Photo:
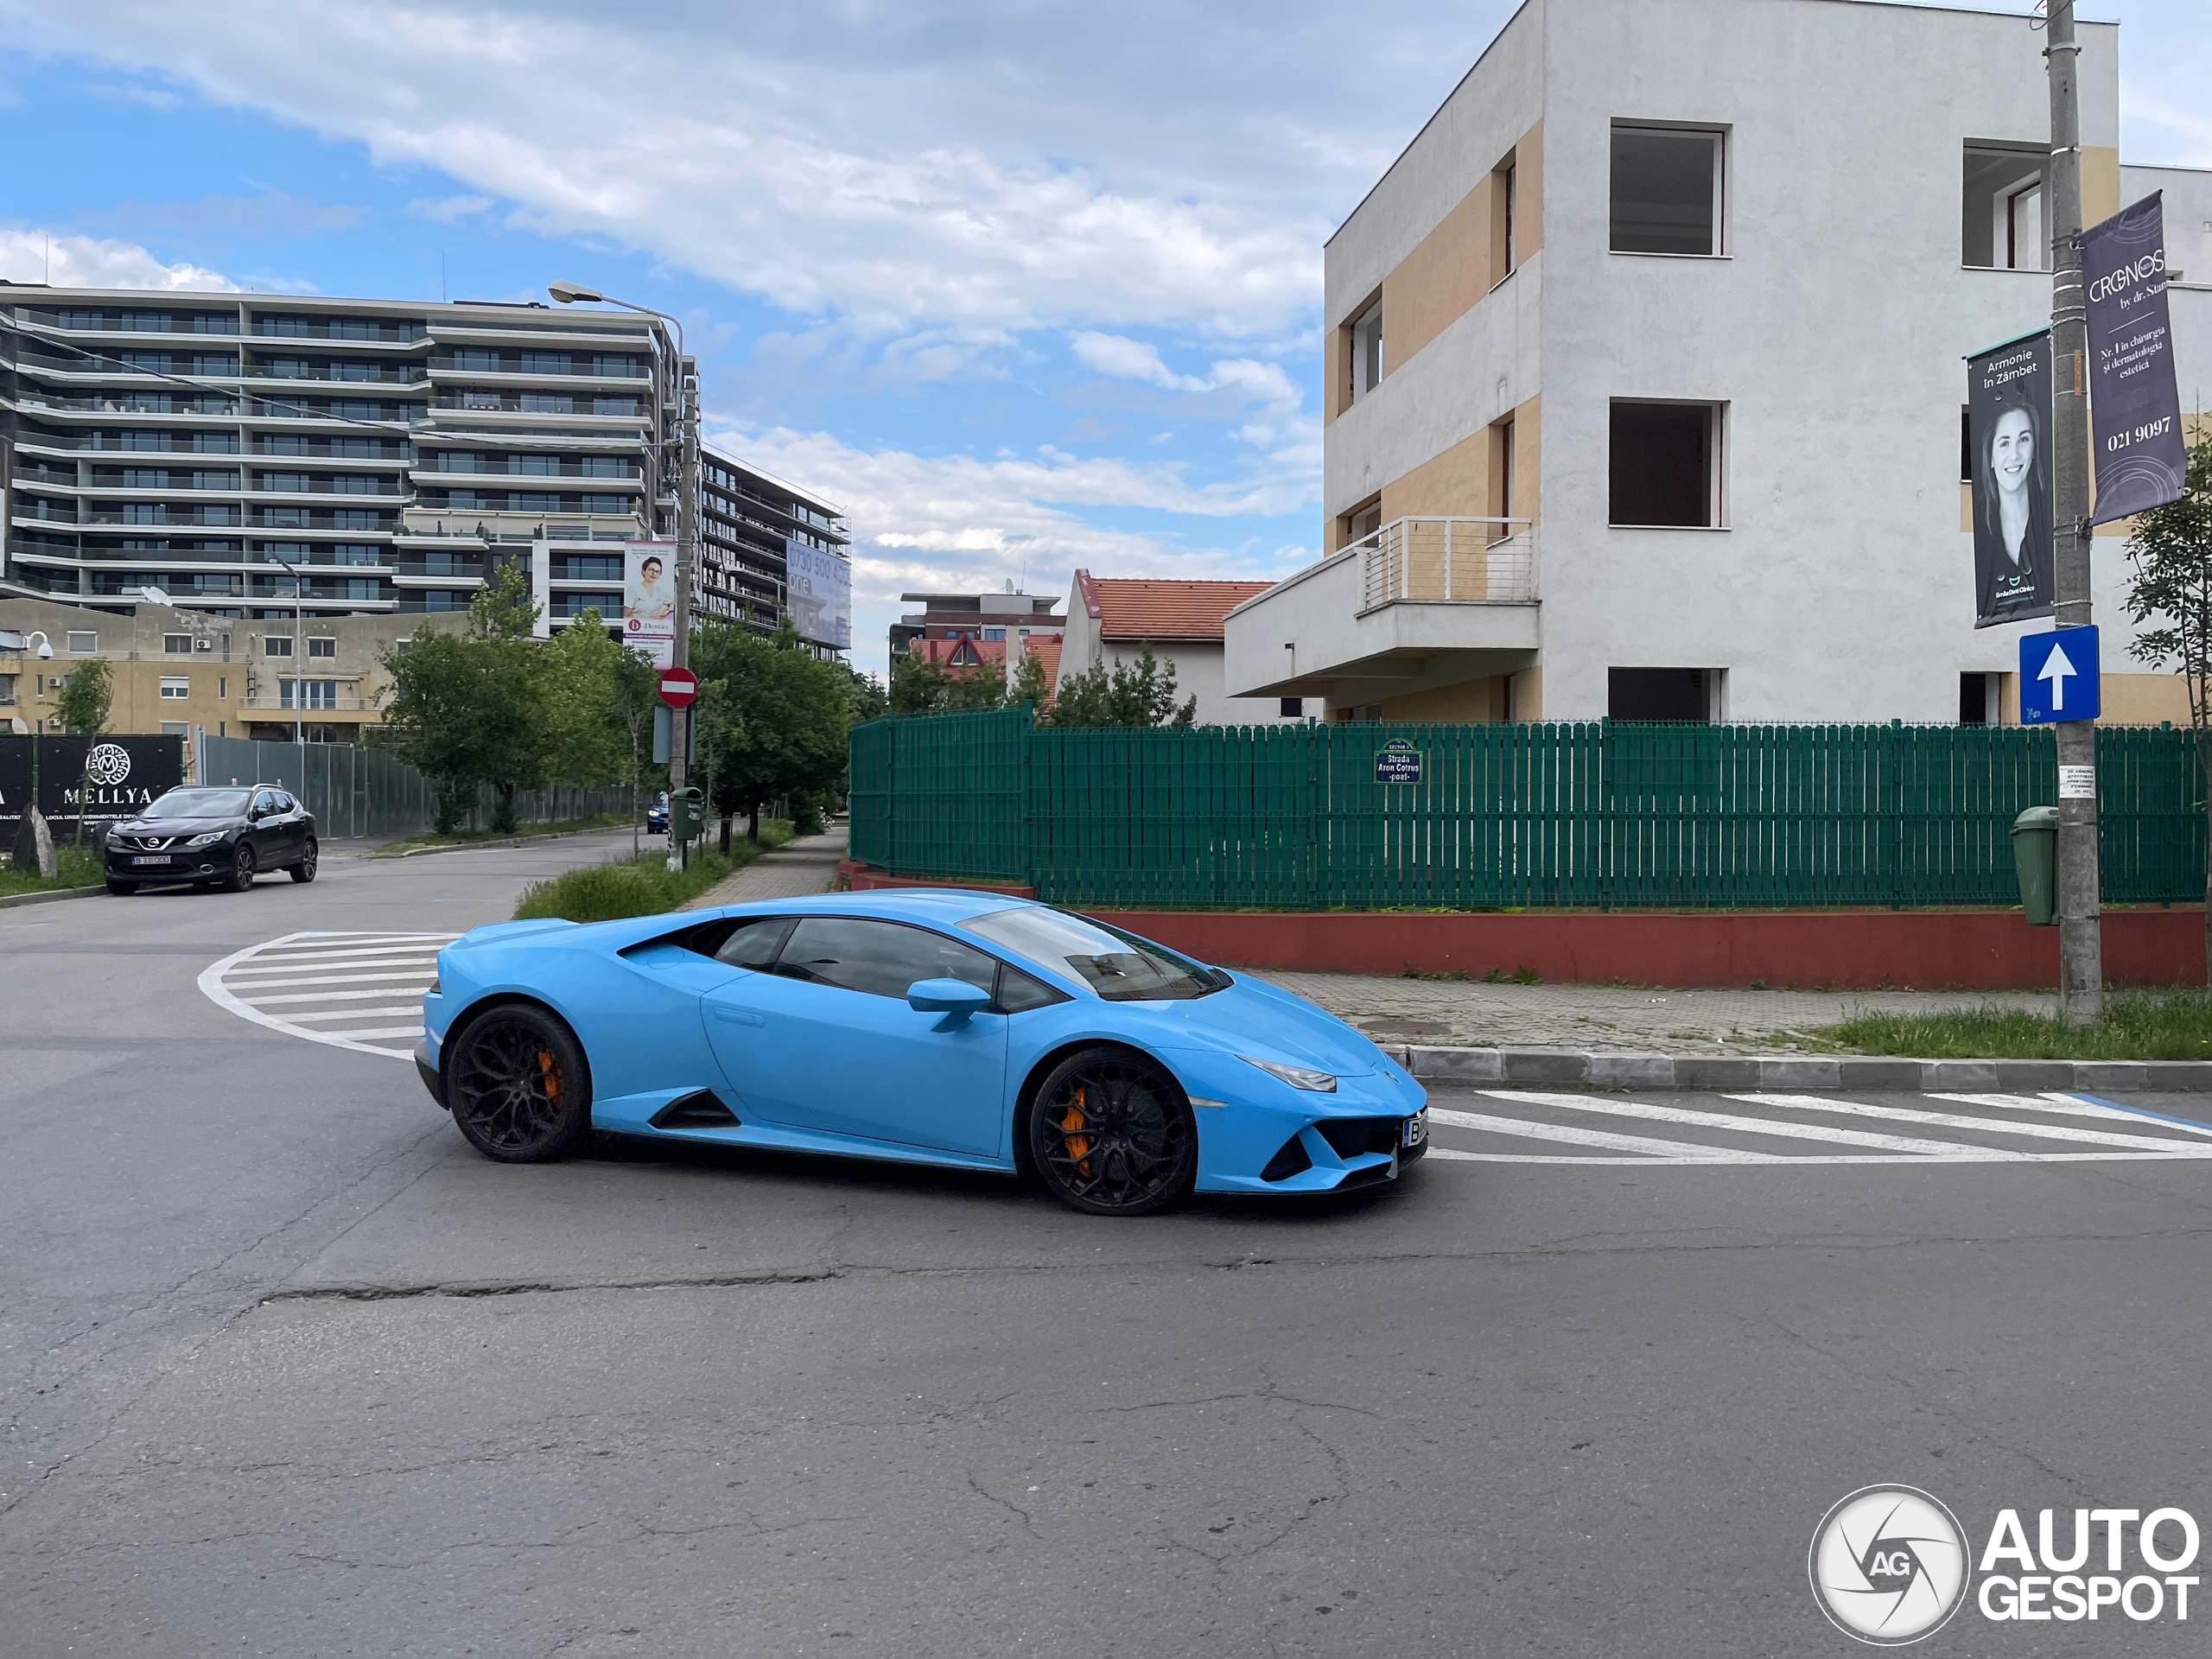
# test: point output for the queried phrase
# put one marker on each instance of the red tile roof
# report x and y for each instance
(1046, 649)
(1158, 609)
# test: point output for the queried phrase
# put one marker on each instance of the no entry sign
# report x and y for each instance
(678, 687)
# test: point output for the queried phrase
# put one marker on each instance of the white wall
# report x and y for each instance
(1198, 672)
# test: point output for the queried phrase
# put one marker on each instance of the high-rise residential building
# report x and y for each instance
(1644, 372)
(394, 453)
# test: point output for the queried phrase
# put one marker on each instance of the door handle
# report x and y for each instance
(738, 1016)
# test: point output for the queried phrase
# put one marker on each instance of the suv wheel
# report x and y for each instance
(304, 870)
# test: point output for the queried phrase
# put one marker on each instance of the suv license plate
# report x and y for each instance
(152, 858)
(1416, 1129)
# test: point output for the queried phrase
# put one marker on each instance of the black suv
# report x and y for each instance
(212, 837)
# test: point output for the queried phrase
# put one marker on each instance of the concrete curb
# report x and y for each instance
(48, 896)
(509, 841)
(1566, 1068)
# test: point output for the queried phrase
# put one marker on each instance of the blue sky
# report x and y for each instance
(1023, 287)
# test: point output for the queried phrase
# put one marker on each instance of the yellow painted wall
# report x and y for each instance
(1440, 280)
(2144, 700)
(1474, 701)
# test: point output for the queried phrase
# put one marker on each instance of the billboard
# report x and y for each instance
(2135, 406)
(99, 781)
(649, 598)
(818, 592)
(2008, 430)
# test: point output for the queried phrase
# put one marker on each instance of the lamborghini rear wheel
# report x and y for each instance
(518, 1085)
(1111, 1134)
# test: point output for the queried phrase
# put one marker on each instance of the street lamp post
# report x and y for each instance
(299, 675)
(44, 655)
(687, 525)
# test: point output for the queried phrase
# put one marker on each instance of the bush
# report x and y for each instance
(643, 885)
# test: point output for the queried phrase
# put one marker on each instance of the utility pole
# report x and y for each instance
(2081, 946)
(686, 561)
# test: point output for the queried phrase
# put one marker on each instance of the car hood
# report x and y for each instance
(175, 826)
(1252, 1017)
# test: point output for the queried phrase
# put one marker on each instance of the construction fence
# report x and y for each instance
(1602, 815)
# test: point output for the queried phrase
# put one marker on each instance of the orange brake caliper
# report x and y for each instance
(1073, 1122)
(551, 1072)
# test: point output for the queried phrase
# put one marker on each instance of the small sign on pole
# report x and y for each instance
(1398, 762)
(2058, 676)
(679, 687)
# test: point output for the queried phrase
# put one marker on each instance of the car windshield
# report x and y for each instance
(1119, 966)
(199, 804)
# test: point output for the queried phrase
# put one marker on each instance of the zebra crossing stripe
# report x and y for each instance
(1676, 1151)
(1985, 1126)
(253, 982)
(1694, 1119)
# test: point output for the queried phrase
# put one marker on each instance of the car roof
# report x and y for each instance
(941, 905)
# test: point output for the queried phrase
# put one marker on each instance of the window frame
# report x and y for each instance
(1721, 134)
(1716, 460)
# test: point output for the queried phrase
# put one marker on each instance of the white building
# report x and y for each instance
(1645, 372)
(1111, 619)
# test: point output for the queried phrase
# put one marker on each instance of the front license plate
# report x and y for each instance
(1416, 1129)
(152, 858)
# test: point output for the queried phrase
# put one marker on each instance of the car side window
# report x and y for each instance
(1018, 993)
(285, 803)
(264, 801)
(751, 943)
(882, 958)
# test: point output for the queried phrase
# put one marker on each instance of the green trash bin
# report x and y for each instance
(2035, 859)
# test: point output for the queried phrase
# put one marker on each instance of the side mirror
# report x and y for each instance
(954, 998)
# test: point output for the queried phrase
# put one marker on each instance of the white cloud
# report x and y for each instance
(956, 523)
(32, 256)
(448, 210)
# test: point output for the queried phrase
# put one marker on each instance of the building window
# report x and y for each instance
(1676, 696)
(1667, 190)
(276, 644)
(1367, 350)
(322, 646)
(223, 687)
(1664, 466)
(1293, 708)
(2001, 208)
(176, 645)
(1362, 522)
(1501, 480)
(175, 686)
(7, 687)
(314, 694)
(176, 728)
(1505, 201)
(83, 644)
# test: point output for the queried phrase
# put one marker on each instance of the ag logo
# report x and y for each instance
(1889, 1565)
(108, 765)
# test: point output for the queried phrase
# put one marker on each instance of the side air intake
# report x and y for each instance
(697, 1110)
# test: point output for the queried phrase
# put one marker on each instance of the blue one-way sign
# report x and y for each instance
(2058, 676)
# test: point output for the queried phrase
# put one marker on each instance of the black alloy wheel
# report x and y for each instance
(242, 870)
(1111, 1134)
(518, 1085)
(304, 870)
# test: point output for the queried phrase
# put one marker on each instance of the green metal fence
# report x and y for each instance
(1598, 815)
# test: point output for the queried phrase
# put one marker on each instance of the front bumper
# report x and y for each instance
(177, 864)
(1264, 1136)
(426, 1067)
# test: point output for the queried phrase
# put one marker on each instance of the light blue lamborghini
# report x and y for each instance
(945, 1027)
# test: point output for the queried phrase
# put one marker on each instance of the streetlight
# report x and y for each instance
(45, 654)
(299, 674)
(687, 525)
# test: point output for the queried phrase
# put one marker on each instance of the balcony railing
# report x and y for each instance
(1449, 561)
(346, 374)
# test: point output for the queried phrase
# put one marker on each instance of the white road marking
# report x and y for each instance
(252, 982)
(1595, 1138)
(1690, 1118)
(1959, 1121)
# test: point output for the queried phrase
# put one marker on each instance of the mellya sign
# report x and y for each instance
(2008, 425)
(119, 777)
(1398, 762)
(2135, 406)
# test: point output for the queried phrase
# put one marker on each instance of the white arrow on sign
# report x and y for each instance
(2055, 668)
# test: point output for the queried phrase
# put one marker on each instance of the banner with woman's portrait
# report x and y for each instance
(2008, 437)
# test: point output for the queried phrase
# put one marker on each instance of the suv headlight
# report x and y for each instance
(1298, 1077)
(208, 840)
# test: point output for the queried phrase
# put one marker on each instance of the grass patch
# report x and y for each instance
(643, 885)
(2137, 1026)
(74, 865)
(464, 837)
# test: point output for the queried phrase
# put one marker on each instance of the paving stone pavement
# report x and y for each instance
(1642, 1019)
(797, 869)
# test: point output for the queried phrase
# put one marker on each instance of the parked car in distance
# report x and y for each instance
(212, 837)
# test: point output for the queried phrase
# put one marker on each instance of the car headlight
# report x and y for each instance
(208, 840)
(1298, 1077)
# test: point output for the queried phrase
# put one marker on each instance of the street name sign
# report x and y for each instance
(1398, 762)
(2058, 676)
(678, 687)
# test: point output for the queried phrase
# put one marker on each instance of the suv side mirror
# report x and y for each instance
(956, 999)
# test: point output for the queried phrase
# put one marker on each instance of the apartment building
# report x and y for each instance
(978, 617)
(387, 457)
(174, 668)
(1645, 381)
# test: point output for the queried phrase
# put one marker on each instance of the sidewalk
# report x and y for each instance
(794, 870)
(1616, 1018)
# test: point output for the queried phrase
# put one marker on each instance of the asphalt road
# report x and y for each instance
(288, 1369)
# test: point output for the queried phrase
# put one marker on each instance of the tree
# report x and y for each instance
(919, 686)
(2171, 552)
(472, 709)
(82, 708)
(582, 706)
(781, 717)
(1142, 693)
